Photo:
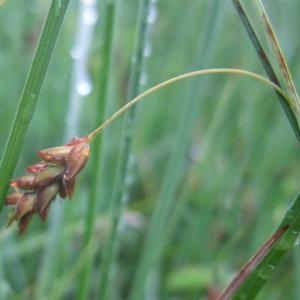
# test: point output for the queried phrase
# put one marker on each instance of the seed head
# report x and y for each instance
(55, 174)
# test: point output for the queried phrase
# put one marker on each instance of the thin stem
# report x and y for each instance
(102, 98)
(157, 235)
(51, 261)
(124, 151)
(31, 92)
(170, 81)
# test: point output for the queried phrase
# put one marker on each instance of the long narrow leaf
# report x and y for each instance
(102, 98)
(31, 91)
(125, 148)
(283, 66)
(287, 233)
(291, 109)
(156, 233)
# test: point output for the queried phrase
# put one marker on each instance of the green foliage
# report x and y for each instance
(213, 162)
(31, 92)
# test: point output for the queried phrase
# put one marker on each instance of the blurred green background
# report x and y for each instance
(220, 147)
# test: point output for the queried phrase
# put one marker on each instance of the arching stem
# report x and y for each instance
(163, 84)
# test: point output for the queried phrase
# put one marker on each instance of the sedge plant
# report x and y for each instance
(58, 170)
(59, 166)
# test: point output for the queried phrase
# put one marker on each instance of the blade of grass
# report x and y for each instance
(248, 268)
(125, 148)
(287, 233)
(31, 91)
(102, 97)
(283, 66)
(156, 232)
(51, 260)
(292, 109)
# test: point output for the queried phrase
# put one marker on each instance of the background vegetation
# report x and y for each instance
(212, 167)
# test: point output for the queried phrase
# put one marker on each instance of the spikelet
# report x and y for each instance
(55, 174)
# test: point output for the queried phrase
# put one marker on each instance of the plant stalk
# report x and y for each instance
(228, 71)
(102, 98)
(124, 151)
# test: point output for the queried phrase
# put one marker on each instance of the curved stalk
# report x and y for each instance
(172, 80)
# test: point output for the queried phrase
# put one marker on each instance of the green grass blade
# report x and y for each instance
(31, 91)
(102, 97)
(239, 162)
(52, 260)
(156, 232)
(292, 110)
(125, 147)
(265, 268)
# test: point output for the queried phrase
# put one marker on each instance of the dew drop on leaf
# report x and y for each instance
(266, 271)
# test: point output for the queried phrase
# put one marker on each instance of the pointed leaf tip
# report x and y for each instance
(55, 154)
(13, 199)
(76, 161)
(45, 195)
(36, 168)
(25, 182)
(23, 223)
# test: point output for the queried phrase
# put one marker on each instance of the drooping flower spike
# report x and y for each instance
(55, 174)
(57, 171)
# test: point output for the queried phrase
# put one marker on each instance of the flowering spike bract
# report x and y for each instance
(56, 174)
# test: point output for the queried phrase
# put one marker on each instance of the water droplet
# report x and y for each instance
(143, 78)
(90, 16)
(297, 242)
(290, 214)
(84, 88)
(288, 241)
(76, 53)
(152, 15)
(266, 271)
